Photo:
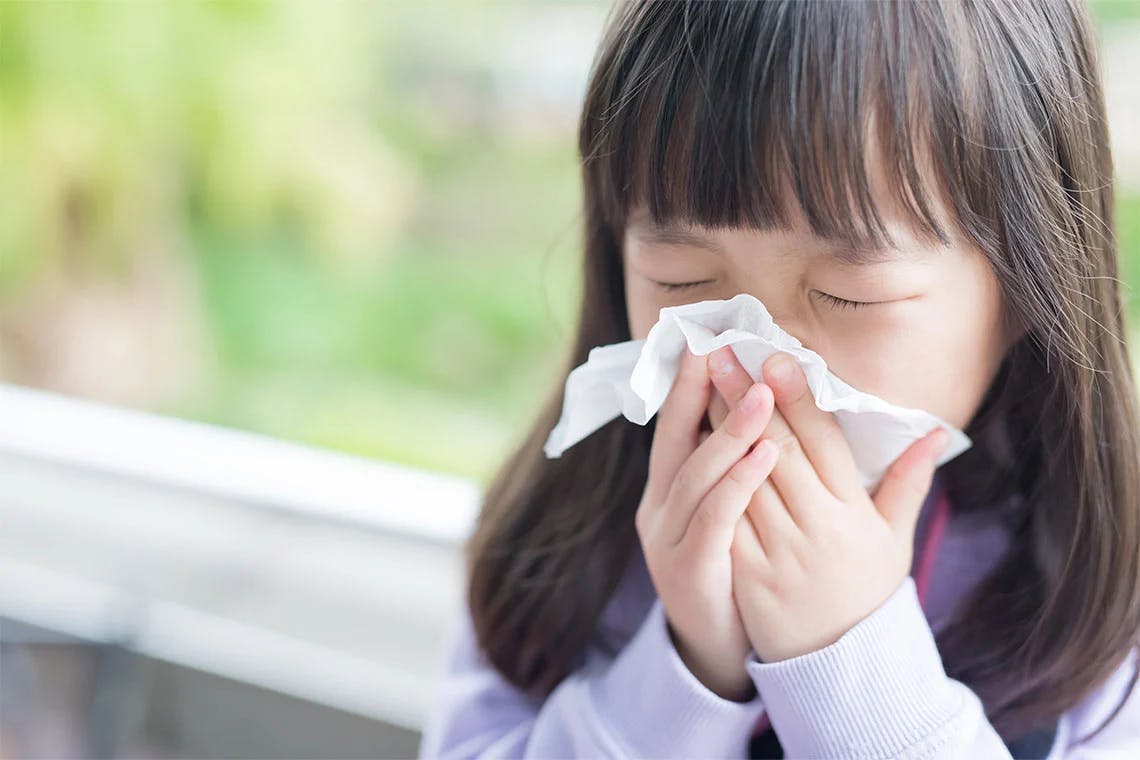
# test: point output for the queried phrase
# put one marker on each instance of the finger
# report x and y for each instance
(767, 510)
(713, 458)
(747, 546)
(902, 491)
(728, 376)
(718, 409)
(678, 422)
(769, 515)
(794, 477)
(730, 381)
(818, 432)
(713, 523)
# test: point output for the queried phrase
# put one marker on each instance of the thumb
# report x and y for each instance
(904, 486)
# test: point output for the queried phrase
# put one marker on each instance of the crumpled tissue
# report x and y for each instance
(633, 378)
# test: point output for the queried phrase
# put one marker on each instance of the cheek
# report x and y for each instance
(921, 369)
(643, 305)
(935, 362)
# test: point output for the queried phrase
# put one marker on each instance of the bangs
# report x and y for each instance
(740, 114)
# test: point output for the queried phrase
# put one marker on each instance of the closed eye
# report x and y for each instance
(834, 301)
(680, 285)
(842, 303)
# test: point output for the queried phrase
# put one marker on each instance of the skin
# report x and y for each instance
(778, 548)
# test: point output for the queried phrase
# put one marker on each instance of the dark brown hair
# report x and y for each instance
(724, 114)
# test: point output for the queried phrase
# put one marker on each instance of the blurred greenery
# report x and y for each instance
(381, 252)
(1106, 12)
(343, 223)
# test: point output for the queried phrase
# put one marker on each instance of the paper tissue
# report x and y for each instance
(634, 377)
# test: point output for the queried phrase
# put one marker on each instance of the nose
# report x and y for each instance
(787, 320)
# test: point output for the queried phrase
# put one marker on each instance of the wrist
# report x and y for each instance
(728, 680)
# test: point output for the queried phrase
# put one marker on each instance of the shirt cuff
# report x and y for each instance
(661, 709)
(876, 690)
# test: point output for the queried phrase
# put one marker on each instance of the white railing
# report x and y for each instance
(317, 574)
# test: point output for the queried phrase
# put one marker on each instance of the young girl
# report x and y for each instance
(921, 193)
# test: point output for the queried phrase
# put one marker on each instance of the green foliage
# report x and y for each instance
(386, 252)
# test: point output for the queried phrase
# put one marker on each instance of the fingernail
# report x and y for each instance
(721, 361)
(780, 368)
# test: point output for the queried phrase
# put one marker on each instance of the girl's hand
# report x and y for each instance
(695, 494)
(816, 554)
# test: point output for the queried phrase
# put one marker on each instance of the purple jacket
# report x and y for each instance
(879, 691)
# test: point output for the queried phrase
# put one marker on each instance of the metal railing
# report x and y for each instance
(327, 577)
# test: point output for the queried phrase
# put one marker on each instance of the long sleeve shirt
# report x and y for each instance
(878, 691)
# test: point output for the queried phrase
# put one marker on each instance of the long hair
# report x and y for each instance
(726, 114)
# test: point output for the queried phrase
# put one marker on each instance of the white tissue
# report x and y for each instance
(634, 377)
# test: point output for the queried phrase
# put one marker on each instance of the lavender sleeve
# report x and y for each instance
(643, 702)
(880, 691)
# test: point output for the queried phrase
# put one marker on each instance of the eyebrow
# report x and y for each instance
(864, 253)
(670, 233)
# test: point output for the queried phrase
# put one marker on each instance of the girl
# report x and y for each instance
(921, 193)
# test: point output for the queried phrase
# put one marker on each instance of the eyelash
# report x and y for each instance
(842, 303)
(835, 301)
(681, 285)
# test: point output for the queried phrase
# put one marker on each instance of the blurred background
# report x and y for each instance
(280, 285)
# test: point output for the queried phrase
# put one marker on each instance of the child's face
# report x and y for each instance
(932, 339)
